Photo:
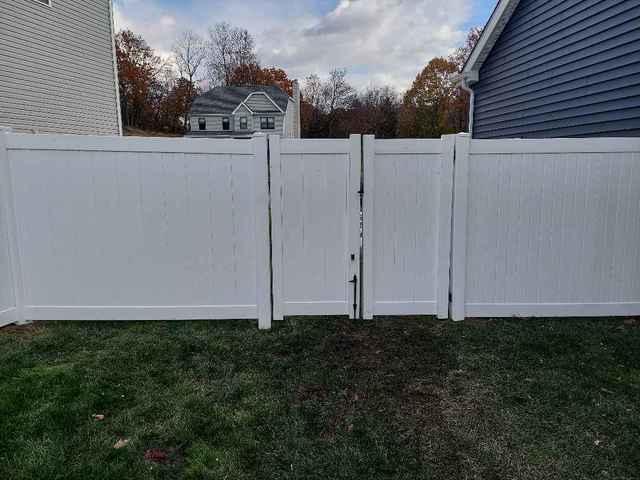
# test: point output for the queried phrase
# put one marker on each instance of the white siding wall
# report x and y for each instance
(57, 67)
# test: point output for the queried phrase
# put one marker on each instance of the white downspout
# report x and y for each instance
(465, 86)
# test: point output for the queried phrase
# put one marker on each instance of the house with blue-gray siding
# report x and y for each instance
(557, 68)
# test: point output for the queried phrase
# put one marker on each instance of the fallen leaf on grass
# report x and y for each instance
(156, 455)
(123, 442)
(98, 416)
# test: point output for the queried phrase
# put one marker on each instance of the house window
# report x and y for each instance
(202, 123)
(267, 123)
(226, 125)
(243, 123)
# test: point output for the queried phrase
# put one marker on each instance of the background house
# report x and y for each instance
(57, 67)
(243, 111)
(557, 68)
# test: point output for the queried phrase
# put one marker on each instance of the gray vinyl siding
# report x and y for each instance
(260, 103)
(243, 112)
(57, 67)
(563, 68)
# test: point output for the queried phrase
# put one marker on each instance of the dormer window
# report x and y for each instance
(226, 124)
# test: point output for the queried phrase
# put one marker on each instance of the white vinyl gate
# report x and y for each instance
(315, 206)
(407, 225)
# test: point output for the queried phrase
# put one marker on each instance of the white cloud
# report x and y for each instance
(378, 41)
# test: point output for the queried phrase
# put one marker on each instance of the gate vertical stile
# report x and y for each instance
(368, 145)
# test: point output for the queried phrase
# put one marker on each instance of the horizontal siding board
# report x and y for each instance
(56, 67)
(564, 92)
(533, 13)
(51, 57)
(562, 31)
(562, 68)
(40, 95)
(574, 67)
(551, 121)
(603, 102)
(584, 45)
(563, 82)
(92, 29)
(610, 128)
(49, 75)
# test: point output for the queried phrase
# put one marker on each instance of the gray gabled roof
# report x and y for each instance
(224, 100)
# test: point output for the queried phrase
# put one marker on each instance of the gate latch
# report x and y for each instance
(354, 281)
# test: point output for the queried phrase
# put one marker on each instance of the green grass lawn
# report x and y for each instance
(322, 399)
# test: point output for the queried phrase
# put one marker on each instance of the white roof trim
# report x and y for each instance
(242, 104)
(266, 95)
(492, 30)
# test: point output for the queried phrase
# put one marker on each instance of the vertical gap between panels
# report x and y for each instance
(269, 202)
(362, 247)
(452, 207)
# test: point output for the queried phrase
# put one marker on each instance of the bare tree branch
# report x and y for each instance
(227, 49)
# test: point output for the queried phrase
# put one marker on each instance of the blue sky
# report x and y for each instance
(377, 41)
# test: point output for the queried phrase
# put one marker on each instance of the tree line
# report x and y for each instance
(156, 94)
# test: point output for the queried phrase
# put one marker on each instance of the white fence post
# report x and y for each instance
(460, 210)
(367, 210)
(261, 184)
(276, 225)
(6, 189)
(445, 226)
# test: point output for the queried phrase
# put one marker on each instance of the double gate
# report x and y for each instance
(361, 227)
(103, 228)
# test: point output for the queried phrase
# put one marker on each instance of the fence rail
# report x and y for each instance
(100, 228)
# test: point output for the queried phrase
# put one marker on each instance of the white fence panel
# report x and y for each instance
(141, 229)
(546, 228)
(8, 300)
(407, 226)
(316, 221)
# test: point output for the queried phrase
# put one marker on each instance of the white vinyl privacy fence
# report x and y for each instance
(143, 229)
(135, 229)
(546, 228)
